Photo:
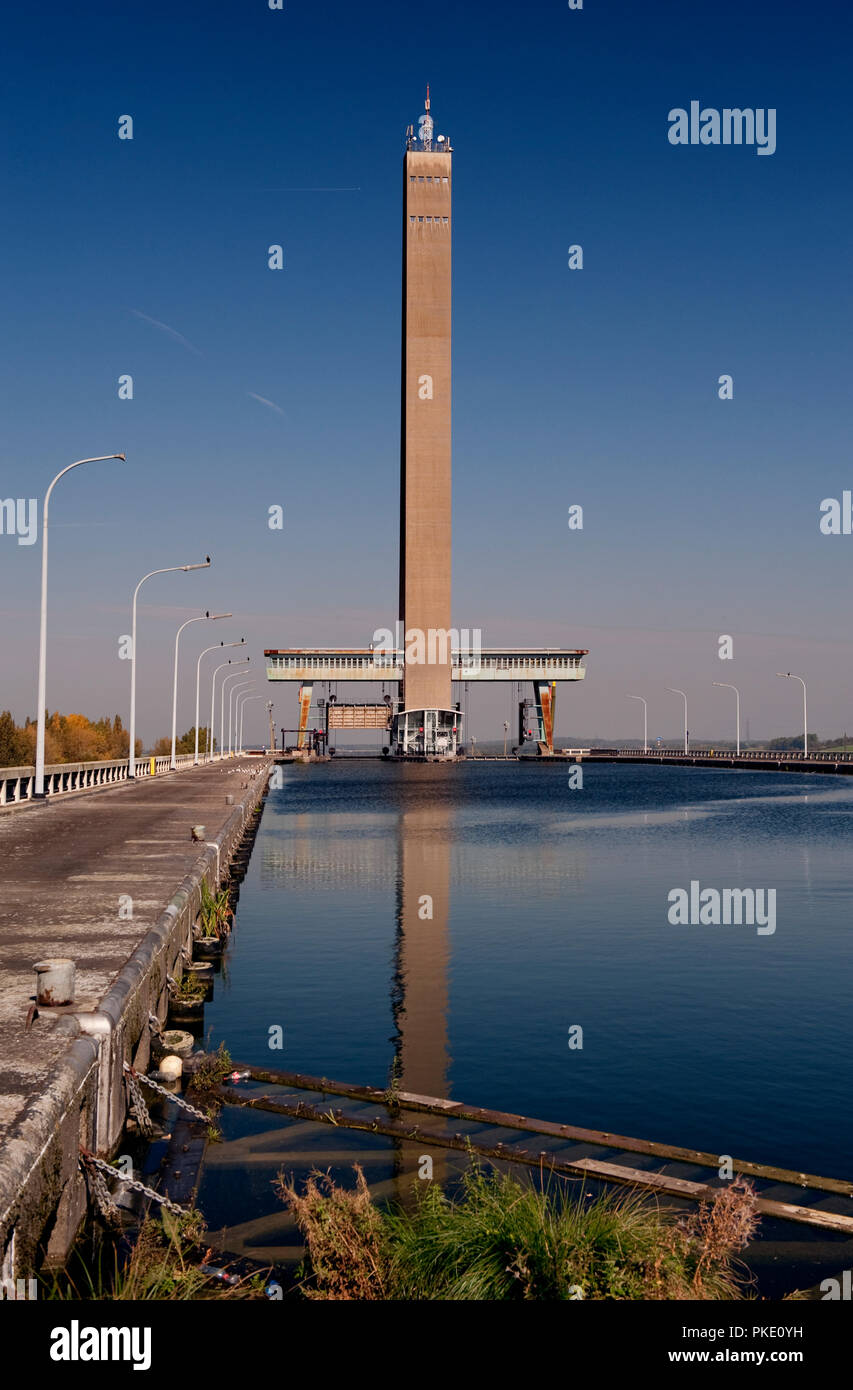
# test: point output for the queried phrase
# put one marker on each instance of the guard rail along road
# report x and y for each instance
(758, 759)
(16, 783)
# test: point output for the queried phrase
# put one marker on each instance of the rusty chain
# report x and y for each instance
(133, 1081)
(137, 1102)
(98, 1188)
(96, 1166)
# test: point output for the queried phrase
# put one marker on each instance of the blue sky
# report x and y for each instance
(597, 387)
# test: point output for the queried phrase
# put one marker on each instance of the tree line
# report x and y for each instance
(72, 738)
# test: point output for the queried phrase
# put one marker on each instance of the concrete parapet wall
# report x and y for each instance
(17, 783)
(43, 1195)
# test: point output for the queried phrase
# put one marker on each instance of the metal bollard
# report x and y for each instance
(55, 980)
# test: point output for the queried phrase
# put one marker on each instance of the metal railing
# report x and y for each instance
(784, 755)
(465, 665)
(16, 783)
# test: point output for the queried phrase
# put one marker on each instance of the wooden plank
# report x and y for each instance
(408, 1100)
(584, 1167)
(219, 1157)
(180, 1171)
(701, 1192)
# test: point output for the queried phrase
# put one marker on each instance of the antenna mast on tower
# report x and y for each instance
(426, 125)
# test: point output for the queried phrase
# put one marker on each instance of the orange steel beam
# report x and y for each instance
(305, 693)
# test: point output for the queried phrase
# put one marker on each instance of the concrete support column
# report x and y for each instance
(305, 693)
(546, 702)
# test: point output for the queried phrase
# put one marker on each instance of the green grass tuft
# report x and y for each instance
(502, 1239)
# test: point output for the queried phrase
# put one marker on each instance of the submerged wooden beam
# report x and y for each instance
(432, 1105)
(582, 1167)
(180, 1168)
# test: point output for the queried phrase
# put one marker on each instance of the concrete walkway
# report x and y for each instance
(70, 870)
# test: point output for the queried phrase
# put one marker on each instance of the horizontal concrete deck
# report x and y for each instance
(65, 869)
(70, 871)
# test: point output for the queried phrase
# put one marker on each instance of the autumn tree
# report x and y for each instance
(68, 738)
(11, 745)
(184, 744)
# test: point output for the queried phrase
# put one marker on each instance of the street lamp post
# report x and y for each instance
(131, 770)
(645, 720)
(231, 728)
(247, 700)
(684, 698)
(724, 685)
(225, 680)
(239, 701)
(788, 677)
(213, 696)
(205, 617)
(41, 712)
(215, 648)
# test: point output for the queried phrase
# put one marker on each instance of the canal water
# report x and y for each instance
(464, 924)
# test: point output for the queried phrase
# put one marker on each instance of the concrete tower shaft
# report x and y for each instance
(426, 655)
(425, 462)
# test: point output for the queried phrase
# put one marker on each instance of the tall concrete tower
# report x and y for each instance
(422, 724)
(426, 723)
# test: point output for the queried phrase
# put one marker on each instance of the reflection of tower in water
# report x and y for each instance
(420, 987)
